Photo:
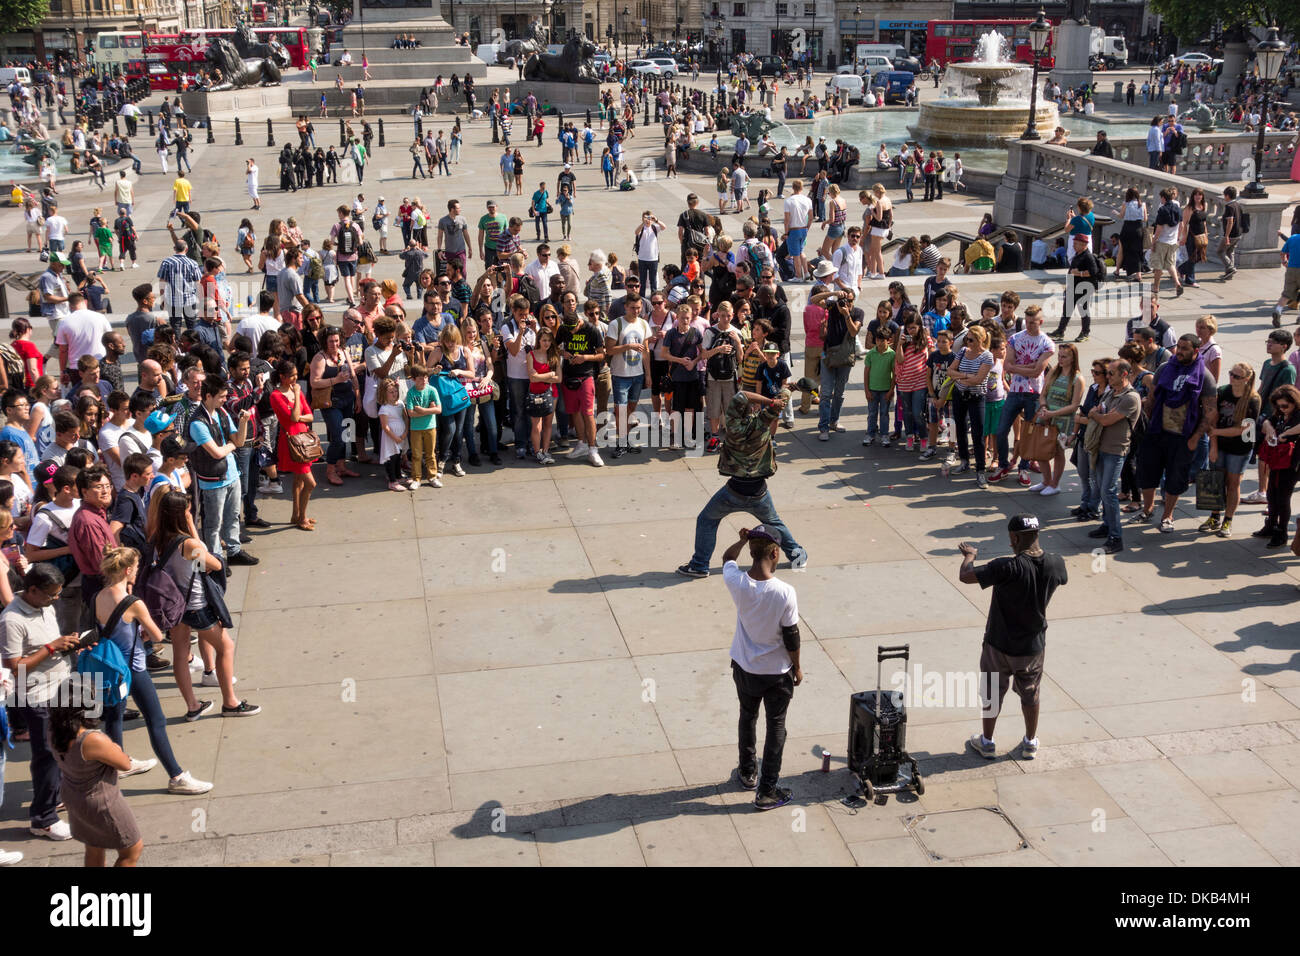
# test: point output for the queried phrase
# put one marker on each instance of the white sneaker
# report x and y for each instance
(1037, 487)
(185, 784)
(823, 436)
(135, 265)
(210, 680)
(58, 830)
(578, 451)
(137, 766)
(1255, 498)
(10, 857)
(799, 560)
(595, 459)
(1048, 491)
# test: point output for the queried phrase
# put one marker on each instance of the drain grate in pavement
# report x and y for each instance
(963, 834)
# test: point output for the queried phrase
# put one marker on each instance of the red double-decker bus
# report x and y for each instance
(957, 41)
(170, 56)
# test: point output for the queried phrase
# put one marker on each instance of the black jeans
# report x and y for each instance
(45, 771)
(1077, 295)
(1281, 485)
(775, 692)
(969, 407)
(145, 697)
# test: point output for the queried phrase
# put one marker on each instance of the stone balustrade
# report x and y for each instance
(1214, 157)
(1041, 181)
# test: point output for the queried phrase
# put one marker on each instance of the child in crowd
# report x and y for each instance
(392, 421)
(997, 394)
(329, 259)
(878, 367)
(773, 375)
(940, 394)
(423, 408)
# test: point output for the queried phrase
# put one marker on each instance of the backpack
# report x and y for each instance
(722, 367)
(159, 590)
(1179, 141)
(347, 240)
(13, 364)
(1243, 224)
(315, 268)
(111, 669)
(758, 260)
(1098, 270)
(66, 563)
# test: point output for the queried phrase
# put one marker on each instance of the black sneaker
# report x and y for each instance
(245, 709)
(241, 557)
(155, 663)
(130, 714)
(1114, 545)
(687, 571)
(748, 781)
(475, 461)
(257, 523)
(494, 458)
(1264, 532)
(1099, 532)
(245, 538)
(199, 711)
(771, 799)
(617, 452)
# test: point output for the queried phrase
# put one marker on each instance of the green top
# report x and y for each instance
(492, 226)
(880, 370)
(1058, 396)
(747, 439)
(426, 397)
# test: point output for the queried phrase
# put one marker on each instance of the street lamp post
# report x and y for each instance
(1039, 31)
(626, 14)
(1269, 53)
(857, 12)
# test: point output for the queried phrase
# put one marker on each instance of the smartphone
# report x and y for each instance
(88, 638)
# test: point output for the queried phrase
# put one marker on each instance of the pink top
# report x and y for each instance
(813, 317)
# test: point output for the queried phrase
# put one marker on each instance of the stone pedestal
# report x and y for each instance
(1070, 47)
(1234, 61)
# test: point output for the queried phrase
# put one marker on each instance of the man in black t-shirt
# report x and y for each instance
(693, 228)
(1015, 638)
(1080, 289)
(582, 346)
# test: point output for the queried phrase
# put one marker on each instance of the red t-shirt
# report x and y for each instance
(28, 350)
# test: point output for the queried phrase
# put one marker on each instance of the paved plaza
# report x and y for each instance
(506, 670)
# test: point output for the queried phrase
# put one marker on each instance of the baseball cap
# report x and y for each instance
(1023, 523)
(172, 448)
(60, 258)
(159, 421)
(492, 204)
(568, 165)
(771, 350)
(763, 534)
(45, 471)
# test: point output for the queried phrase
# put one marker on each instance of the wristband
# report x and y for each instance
(48, 651)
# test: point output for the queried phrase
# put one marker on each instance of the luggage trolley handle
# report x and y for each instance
(885, 654)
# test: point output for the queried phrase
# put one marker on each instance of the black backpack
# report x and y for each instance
(1098, 271)
(347, 240)
(1242, 217)
(722, 367)
(1180, 140)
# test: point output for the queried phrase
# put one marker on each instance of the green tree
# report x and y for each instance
(22, 14)
(1190, 20)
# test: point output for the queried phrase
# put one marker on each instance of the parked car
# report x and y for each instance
(909, 63)
(850, 84)
(667, 65)
(644, 66)
(1196, 59)
(892, 85)
(766, 66)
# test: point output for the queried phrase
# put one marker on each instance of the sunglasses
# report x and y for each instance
(1236, 375)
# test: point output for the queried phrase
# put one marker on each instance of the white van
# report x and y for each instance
(850, 84)
(868, 65)
(889, 51)
(10, 73)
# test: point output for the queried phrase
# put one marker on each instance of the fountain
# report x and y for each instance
(983, 103)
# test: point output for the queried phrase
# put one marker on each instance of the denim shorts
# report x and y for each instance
(795, 240)
(627, 389)
(1232, 464)
(347, 268)
(200, 619)
(834, 232)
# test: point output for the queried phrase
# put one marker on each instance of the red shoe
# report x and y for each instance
(1025, 479)
(999, 474)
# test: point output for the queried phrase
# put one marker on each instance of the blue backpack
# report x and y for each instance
(105, 661)
(451, 393)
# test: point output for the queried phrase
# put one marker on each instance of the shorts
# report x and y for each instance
(627, 388)
(1164, 454)
(723, 198)
(1026, 672)
(200, 619)
(1291, 284)
(457, 257)
(687, 397)
(835, 231)
(347, 268)
(718, 394)
(992, 414)
(659, 382)
(738, 192)
(879, 231)
(795, 239)
(1162, 256)
(1232, 464)
(580, 400)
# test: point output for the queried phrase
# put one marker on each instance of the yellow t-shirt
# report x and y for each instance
(182, 189)
(16, 197)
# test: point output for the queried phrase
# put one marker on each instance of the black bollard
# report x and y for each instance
(270, 134)
(381, 131)
(116, 131)
(496, 134)
(341, 134)
(239, 136)
(211, 138)
(149, 113)
(647, 112)
(588, 116)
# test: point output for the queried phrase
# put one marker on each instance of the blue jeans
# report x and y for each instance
(1088, 499)
(914, 420)
(145, 697)
(1105, 488)
(1016, 403)
(311, 289)
(487, 412)
(834, 381)
(542, 226)
(878, 413)
(334, 416)
(908, 179)
(246, 458)
(221, 519)
(727, 502)
(519, 422)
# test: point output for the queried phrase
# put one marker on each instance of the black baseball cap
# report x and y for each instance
(1023, 523)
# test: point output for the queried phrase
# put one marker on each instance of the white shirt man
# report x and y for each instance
(56, 230)
(82, 332)
(540, 271)
(255, 326)
(848, 264)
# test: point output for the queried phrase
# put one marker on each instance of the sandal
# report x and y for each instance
(303, 526)
(334, 479)
(1129, 509)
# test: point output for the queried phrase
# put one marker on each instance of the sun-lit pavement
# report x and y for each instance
(507, 671)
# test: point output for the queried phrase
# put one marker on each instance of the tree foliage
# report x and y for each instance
(22, 14)
(1191, 20)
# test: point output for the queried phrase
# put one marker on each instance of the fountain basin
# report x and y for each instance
(982, 104)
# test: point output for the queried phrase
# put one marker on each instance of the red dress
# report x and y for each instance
(280, 405)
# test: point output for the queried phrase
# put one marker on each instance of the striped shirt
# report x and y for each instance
(911, 371)
(970, 366)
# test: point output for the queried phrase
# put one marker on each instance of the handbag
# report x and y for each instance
(1147, 240)
(1211, 494)
(305, 447)
(482, 392)
(540, 404)
(322, 397)
(1199, 246)
(1038, 442)
(1276, 456)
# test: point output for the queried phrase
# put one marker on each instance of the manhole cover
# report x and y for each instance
(961, 834)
